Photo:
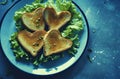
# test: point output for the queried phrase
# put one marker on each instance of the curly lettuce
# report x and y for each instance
(71, 30)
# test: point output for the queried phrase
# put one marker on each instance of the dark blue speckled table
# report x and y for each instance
(103, 47)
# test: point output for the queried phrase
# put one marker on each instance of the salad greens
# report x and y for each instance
(71, 30)
(63, 5)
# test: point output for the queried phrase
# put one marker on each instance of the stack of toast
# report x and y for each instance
(51, 41)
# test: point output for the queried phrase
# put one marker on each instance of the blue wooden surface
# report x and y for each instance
(104, 22)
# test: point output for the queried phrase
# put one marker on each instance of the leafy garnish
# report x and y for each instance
(71, 31)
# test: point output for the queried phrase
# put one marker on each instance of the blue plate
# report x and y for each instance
(52, 67)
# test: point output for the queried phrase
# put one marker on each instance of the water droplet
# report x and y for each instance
(98, 63)
(99, 52)
(113, 57)
(93, 58)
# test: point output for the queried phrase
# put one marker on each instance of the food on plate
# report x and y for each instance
(54, 24)
(55, 43)
(56, 20)
(31, 42)
(34, 20)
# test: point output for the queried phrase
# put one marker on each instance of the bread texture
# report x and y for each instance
(55, 20)
(31, 42)
(55, 43)
(34, 20)
(51, 41)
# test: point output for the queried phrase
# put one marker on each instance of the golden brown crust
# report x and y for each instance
(52, 41)
(55, 43)
(34, 20)
(32, 42)
(56, 20)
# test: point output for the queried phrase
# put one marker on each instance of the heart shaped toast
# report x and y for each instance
(56, 20)
(31, 42)
(34, 20)
(55, 43)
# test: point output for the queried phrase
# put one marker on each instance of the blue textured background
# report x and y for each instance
(104, 22)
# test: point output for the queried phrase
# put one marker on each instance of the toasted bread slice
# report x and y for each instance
(31, 42)
(55, 43)
(34, 20)
(56, 20)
